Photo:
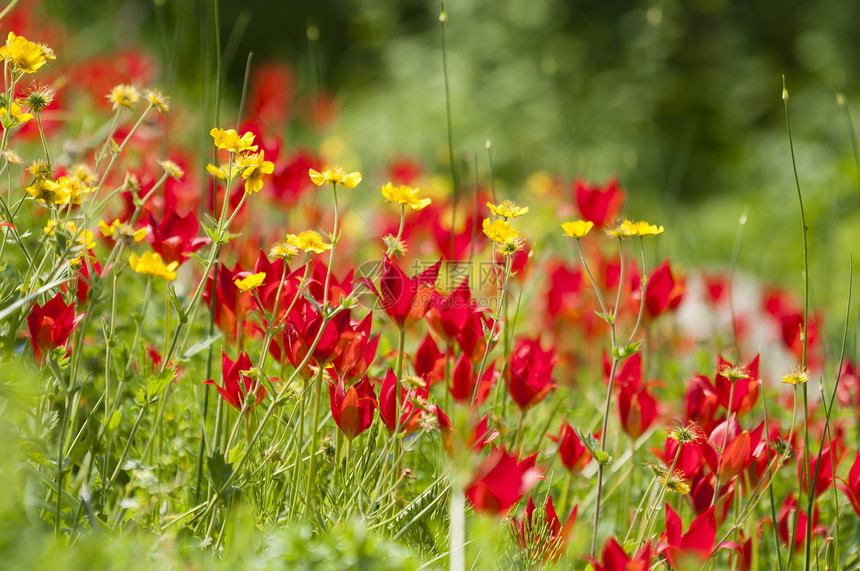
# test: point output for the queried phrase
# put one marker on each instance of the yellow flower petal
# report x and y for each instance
(250, 282)
(578, 228)
(499, 231)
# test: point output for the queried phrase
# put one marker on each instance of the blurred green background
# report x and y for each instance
(681, 99)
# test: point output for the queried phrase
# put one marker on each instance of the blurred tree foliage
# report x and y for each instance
(664, 93)
(678, 98)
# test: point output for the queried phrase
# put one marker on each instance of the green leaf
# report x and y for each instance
(626, 351)
(113, 422)
(156, 383)
(219, 470)
(236, 454)
(590, 442)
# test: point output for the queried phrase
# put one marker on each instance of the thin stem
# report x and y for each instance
(443, 19)
(312, 470)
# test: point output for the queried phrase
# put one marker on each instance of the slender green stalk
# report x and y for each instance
(8, 8)
(725, 441)
(804, 230)
(315, 443)
(443, 19)
(770, 482)
(649, 519)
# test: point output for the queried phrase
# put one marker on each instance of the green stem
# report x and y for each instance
(312, 469)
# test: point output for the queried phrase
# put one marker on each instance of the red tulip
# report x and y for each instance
(389, 404)
(701, 402)
(565, 295)
(405, 300)
(574, 455)
(273, 86)
(716, 286)
(337, 287)
(529, 373)
(231, 305)
(662, 291)
(637, 408)
(290, 179)
(827, 465)
(51, 325)
(238, 385)
(545, 539)
(501, 481)
(357, 349)
(787, 516)
(746, 385)
(82, 287)
(463, 382)
(462, 237)
(479, 437)
(352, 408)
(614, 558)
(702, 496)
(688, 457)
(471, 339)
(596, 204)
(448, 315)
(851, 487)
(429, 361)
(175, 237)
(741, 448)
(693, 548)
(268, 289)
(303, 328)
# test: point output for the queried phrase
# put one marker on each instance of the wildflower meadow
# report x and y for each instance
(251, 320)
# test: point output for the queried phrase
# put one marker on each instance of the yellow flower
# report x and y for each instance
(256, 167)
(230, 140)
(219, 172)
(675, 482)
(499, 231)
(87, 239)
(404, 195)
(308, 241)
(172, 169)
(150, 263)
(157, 100)
(511, 246)
(626, 229)
(74, 188)
(84, 174)
(643, 228)
(335, 175)
(507, 209)
(122, 230)
(15, 115)
(23, 54)
(250, 282)
(796, 376)
(40, 169)
(39, 97)
(13, 157)
(49, 192)
(123, 96)
(578, 228)
(284, 250)
(52, 224)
